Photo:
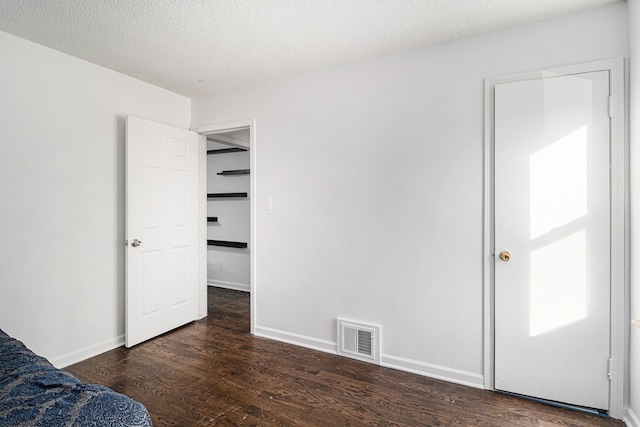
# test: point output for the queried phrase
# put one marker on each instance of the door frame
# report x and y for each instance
(619, 326)
(213, 129)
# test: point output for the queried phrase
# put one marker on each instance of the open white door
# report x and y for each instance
(162, 255)
(552, 238)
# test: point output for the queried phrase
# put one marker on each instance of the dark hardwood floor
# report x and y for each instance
(213, 372)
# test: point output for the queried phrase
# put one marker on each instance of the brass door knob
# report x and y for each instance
(505, 256)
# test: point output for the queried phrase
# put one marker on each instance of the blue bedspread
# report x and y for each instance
(35, 393)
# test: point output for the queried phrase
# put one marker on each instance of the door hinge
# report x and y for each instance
(611, 106)
(610, 368)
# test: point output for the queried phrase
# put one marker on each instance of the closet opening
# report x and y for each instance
(228, 213)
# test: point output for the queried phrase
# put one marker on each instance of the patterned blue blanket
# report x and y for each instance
(35, 393)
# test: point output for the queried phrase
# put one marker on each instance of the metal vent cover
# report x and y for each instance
(359, 340)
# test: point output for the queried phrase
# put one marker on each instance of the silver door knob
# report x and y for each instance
(135, 243)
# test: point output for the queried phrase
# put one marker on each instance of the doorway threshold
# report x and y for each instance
(594, 411)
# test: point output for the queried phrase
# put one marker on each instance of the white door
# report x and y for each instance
(162, 262)
(552, 214)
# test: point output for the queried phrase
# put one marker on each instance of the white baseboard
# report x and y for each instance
(296, 339)
(413, 366)
(630, 418)
(229, 285)
(434, 371)
(87, 352)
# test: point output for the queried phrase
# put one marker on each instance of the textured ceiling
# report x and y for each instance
(196, 47)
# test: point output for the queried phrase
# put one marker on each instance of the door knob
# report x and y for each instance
(505, 256)
(135, 243)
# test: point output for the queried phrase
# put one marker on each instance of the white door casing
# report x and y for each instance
(162, 212)
(225, 127)
(618, 231)
(552, 297)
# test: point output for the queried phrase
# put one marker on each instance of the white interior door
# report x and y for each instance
(162, 262)
(552, 214)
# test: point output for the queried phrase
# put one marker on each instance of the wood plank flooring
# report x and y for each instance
(214, 373)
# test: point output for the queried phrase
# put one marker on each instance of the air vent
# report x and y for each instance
(359, 341)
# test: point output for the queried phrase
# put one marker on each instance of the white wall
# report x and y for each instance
(62, 187)
(228, 267)
(375, 169)
(633, 415)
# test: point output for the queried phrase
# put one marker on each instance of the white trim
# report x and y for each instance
(438, 372)
(88, 352)
(244, 287)
(619, 207)
(488, 236)
(297, 339)
(229, 127)
(619, 243)
(630, 418)
(202, 273)
(254, 221)
(225, 127)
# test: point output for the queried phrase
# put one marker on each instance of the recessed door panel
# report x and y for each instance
(180, 275)
(150, 196)
(179, 198)
(151, 282)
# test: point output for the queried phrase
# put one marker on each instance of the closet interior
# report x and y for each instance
(228, 210)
